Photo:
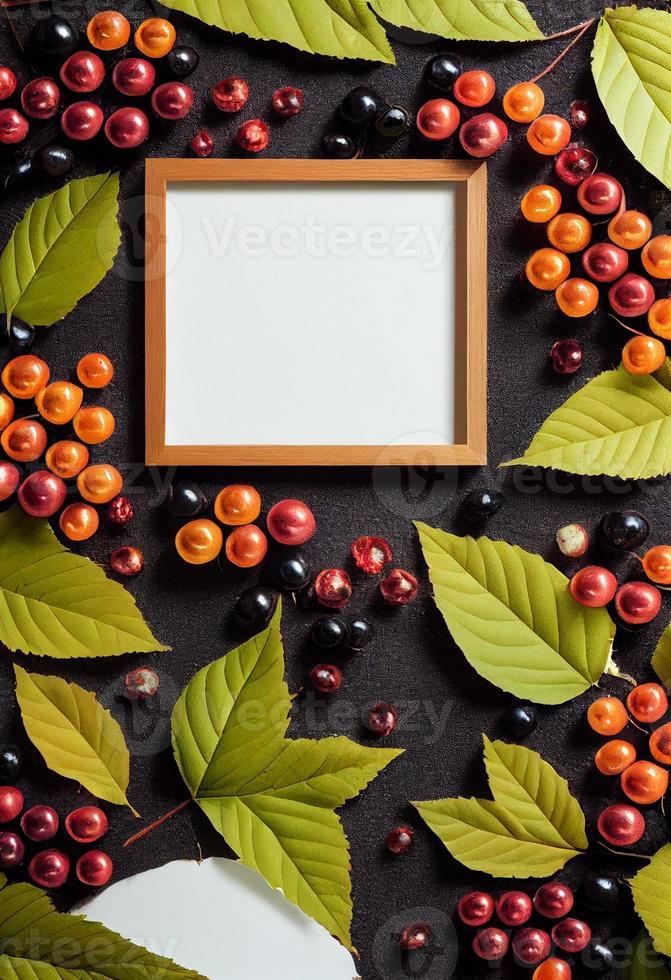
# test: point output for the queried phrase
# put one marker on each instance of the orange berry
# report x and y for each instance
(199, 541)
(549, 135)
(94, 424)
(524, 102)
(552, 969)
(547, 268)
(577, 297)
(643, 355)
(108, 30)
(607, 716)
(67, 458)
(540, 203)
(59, 402)
(648, 703)
(657, 564)
(24, 440)
(246, 546)
(660, 744)
(474, 88)
(6, 410)
(614, 757)
(238, 504)
(100, 483)
(25, 375)
(570, 232)
(630, 229)
(95, 370)
(155, 37)
(659, 318)
(656, 257)
(79, 522)
(644, 782)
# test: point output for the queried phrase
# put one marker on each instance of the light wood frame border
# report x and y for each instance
(471, 321)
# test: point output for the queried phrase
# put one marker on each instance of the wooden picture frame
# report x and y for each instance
(470, 331)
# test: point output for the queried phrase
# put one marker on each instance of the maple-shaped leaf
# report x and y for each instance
(38, 943)
(270, 797)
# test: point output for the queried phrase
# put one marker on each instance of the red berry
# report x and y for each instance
(415, 936)
(567, 356)
(127, 128)
(230, 94)
(621, 825)
(600, 194)
(10, 477)
(83, 71)
(7, 83)
(119, 512)
(514, 908)
(482, 135)
(476, 908)
(575, 164)
(637, 602)
(632, 295)
(593, 586)
(605, 262)
(531, 946)
(438, 119)
(134, 77)
(87, 824)
(141, 683)
(49, 869)
(326, 678)
(82, 121)
(648, 702)
(554, 900)
(201, 145)
(287, 101)
(127, 561)
(333, 588)
(290, 522)
(399, 587)
(41, 98)
(94, 868)
(571, 935)
(172, 100)
(382, 719)
(371, 554)
(40, 823)
(11, 803)
(253, 136)
(399, 840)
(13, 126)
(12, 850)
(491, 944)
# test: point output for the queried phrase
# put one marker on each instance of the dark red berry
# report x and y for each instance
(371, 554)
(13, 126)
(49, 869)
(575, 164)
(621, 825)
(326, 678)
(415, 936)
(571, 935)
(230, 94)
(580, 114)
(476, 908)
(253, 136)
(119, 512)
(333, 588)
(554, 900)
(514, 908)
(172, 100)
(7, 83)
(94, 868)
(40, 823)
(201, 145)
(637, 602)
(399, 587)
(11, 803)
(531, 946)
(87, 824)
(127, 561)
(287, 101)
(382, 719)
(491, 944)
(567, 356)
(399, 840)
(141, 683)
(12, 850)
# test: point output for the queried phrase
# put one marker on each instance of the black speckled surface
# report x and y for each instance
(444, 706)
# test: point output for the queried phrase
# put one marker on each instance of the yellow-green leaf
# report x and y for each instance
(513, 616)
(630, 65)
(74, 734)
(661, 658)
(645, 963)
(61, 249)
(270, 797)
(619, 424)
(531, 828)
(55, 603)
(341, 28)
(463, 20)
(651, 889)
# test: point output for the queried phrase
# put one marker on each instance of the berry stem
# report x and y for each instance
(625, 854)
(568, 30)
(157, 823)
(562, 54)
(625, 327)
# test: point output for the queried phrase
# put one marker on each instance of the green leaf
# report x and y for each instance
(661, 658)
(630, 65)
(75, 735)
(531, 828)
(54, 603)
(514, 618)
(38, 943)
(645, 964)
(61, 249)
(465, 20)
(651, 889)
(272, 798)
(342, 28)
(619, 424)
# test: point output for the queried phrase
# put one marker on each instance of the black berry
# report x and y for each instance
(520, 720)
(182, 60)
(52, 37)
(338, 146)
(601, 892)
(392, 122)
(598, 958)
(56, 160)
(624, 530)
(21, 173)
(361, 633)
(479, 505)
(360, 106)
(291, 573)
(185, 500)
(329, 632)
(256, 606)
(21, 335)
(442, 72)
(10, 763)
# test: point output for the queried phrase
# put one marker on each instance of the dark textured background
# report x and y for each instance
(412, 661)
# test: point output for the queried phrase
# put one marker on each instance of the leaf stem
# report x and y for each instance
(562, 54)
(157, 823)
